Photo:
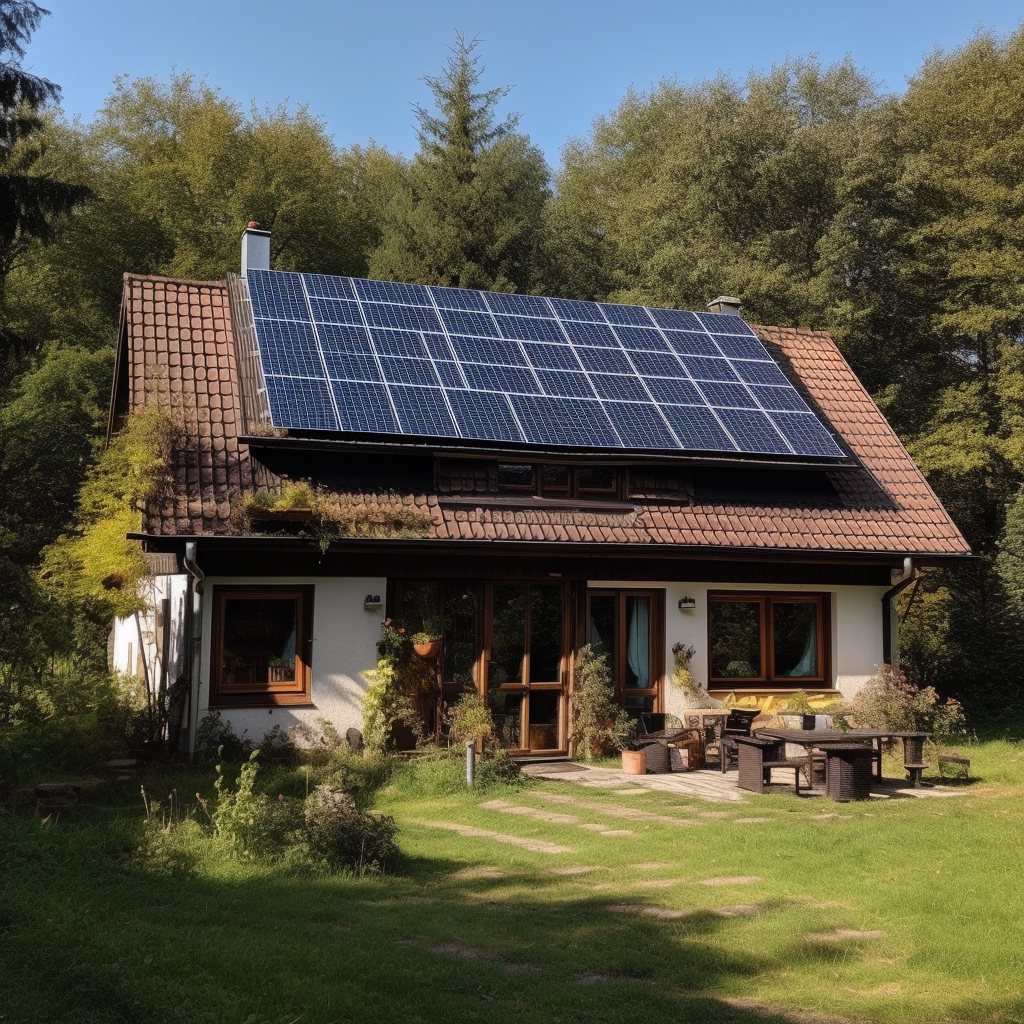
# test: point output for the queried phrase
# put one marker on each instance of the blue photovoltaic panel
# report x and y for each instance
(518, 305)
(620, 387)
(457, 298)
(507, 379)
(301, 402)
(423, 412)
(753, 430)
(640, 426)
(605, 360)
(564, 422)
(365, 407)
(399, 343)
(485, 415)
(347, 354)
(492, 351)
(551, 357)
(409, 371)
(569, 385)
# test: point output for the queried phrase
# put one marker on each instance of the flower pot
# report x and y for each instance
(428, 650)
(634, 762)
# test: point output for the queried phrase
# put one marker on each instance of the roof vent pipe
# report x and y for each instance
(255, 248)
(725, 304)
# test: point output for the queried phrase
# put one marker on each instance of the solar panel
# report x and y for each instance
(352, 355)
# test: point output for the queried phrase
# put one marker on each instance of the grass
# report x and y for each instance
(473, 929)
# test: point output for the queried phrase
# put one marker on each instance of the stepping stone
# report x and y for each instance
(742, 910)
(668, 913)
(844, 934)
(577, 869)
(731, 880)
(533, 845)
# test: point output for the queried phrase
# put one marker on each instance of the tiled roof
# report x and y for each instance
(177, 350)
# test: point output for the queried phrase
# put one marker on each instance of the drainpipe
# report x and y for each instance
(193, 640)
(904, 581)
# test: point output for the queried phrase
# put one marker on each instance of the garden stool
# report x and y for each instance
(913, 758)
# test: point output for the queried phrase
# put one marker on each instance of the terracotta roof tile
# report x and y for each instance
(177, 350)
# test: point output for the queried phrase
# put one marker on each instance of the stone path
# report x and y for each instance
(533, 845)
(711, 786)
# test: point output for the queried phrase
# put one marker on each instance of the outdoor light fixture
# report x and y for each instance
(373, 602)
(686, 603)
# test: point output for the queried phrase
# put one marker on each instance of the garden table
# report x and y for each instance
(822, 739)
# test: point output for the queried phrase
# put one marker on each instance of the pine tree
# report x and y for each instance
(28, 201)
(469, 213)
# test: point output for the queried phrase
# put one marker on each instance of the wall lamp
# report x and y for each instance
(687, 603)
(373, 603)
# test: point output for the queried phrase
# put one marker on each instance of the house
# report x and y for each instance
(525, 474)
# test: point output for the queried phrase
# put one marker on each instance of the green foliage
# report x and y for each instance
(443, 773)
(597, 719)
(469, 718)
(888, 700)
(325, 828)
(98, 565)
(469, 211)
(390, 698)
(332, 514)
(29, 200)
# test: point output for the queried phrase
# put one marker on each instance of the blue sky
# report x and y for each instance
(359, 66)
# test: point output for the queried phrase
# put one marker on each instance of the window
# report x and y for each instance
(557, 481)
(779, 640)
(261, 641)
(628, 626)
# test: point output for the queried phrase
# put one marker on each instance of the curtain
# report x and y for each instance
(638, 638)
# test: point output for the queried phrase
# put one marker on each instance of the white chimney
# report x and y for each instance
(725, 304)
(255, 248)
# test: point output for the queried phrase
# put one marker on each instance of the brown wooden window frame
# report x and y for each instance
(274, 693)
(766, 679)
(571, 489)
(656, 690)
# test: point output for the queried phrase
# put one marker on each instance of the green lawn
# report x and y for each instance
(897, 910)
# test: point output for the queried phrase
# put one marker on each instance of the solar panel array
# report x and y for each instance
(350, 355)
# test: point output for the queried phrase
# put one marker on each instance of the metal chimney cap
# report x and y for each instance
(725, 304)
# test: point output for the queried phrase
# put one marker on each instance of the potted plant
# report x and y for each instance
(799, 712)
(597, 718)
(427, 642)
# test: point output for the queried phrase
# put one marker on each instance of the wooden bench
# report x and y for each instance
(958, 765)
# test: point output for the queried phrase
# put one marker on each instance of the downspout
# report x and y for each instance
(193, 640)
(904, 581)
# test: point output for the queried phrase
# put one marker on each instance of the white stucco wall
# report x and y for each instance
(127, 643)
(856, 629)
(345, 638)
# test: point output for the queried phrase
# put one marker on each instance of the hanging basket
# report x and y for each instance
(428, 651)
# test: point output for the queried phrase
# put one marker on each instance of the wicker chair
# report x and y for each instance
(739, 723)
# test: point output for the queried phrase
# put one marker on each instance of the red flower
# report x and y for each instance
(401, 629)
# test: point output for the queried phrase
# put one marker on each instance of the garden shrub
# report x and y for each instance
(888, 700)
(597, 718)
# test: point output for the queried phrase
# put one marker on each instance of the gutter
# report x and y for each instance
(193, 640)
(908, 577)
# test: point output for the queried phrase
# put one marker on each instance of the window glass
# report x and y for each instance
(554, 478)
(638, 643)
(545, 633)
(515, 474)
(258, 641)
(795, 638)
(596, 478)
(602, 633)
(460, 639)
(544, 719)
(507, 634)
(260, 646)
(735, 628)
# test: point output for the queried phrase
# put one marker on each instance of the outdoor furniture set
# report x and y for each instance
(717, 738)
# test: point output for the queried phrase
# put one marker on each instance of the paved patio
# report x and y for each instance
(711, 786)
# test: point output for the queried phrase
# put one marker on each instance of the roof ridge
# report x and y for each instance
(164, 279)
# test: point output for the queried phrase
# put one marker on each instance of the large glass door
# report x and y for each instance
(525, 665)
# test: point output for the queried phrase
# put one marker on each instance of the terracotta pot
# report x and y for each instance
(428, 650)
(634, 762)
